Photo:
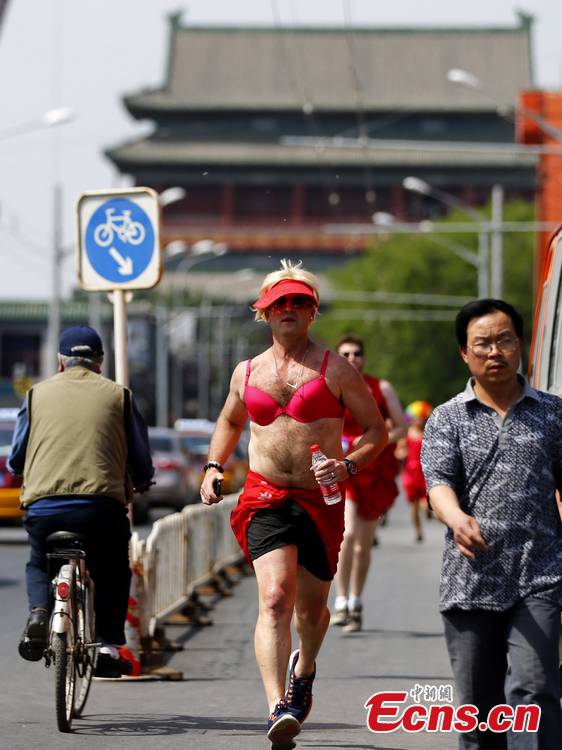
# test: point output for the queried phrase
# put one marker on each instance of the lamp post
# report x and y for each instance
(465, 78)
(51, 118)
(479, 260)
(197, 253)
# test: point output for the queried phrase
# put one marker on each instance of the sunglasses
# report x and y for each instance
(356, 353)
(297, 301)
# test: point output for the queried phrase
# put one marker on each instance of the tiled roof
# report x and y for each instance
(382, 153)
(333, 69)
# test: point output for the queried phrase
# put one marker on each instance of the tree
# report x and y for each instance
(420, 357)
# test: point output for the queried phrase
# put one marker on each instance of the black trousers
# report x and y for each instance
(479, 644)
(106, 525)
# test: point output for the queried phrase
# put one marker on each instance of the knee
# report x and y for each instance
(535, 685)
(276, 603)
(348, 536)
(362, 549)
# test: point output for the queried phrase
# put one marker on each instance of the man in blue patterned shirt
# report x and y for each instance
(492, 459)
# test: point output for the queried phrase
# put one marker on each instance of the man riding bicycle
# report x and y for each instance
(82, 448)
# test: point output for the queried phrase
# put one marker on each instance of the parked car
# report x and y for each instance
(195, 437)
(9, 484)
(176, 474)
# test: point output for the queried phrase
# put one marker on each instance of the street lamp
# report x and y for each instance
(417, 185)
(465, 78)
(480, 260)
(199, 252)
(382, 218)
(171, 195)
(51, 118)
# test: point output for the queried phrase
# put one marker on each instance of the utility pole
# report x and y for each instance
(54, 314)
(162, 369)
(497, 242)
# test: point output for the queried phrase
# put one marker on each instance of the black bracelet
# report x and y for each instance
(214, 465)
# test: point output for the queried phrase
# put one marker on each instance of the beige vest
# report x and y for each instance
(77, 442)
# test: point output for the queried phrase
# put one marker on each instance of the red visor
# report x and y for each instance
(281, 289)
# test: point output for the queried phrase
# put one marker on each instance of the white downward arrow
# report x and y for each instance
(125, 264)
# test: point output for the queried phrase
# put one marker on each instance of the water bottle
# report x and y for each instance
(331, 492)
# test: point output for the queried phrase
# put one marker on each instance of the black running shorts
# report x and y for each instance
(271, 529)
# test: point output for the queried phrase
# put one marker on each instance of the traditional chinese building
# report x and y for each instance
(282, 136)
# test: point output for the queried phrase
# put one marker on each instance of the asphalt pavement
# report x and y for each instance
(219, 703)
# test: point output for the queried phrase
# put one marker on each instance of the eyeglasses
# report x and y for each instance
(356, 353)
(506, 345)
(297, 301)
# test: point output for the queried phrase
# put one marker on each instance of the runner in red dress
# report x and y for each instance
(294, 394)
(369, 494)
(412, 476)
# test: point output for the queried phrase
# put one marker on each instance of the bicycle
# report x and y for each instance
(71, 647)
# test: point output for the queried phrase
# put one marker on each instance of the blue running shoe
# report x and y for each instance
(299, 693)
(282, 726)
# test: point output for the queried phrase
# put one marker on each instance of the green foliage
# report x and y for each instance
(420, 357)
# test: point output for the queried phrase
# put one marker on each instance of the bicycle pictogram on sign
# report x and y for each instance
(119, 240)
(122, 225)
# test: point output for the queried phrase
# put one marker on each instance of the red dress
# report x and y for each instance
(259, 493)
(412, 477)
(374, 488)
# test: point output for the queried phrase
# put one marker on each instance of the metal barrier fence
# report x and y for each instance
(183, 551)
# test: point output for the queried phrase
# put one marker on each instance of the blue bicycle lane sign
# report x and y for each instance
(119, 239)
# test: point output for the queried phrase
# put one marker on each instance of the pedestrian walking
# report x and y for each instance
(492, 459)
(368, 494)
(294, 394)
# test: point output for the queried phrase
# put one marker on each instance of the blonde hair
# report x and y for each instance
(289, 270)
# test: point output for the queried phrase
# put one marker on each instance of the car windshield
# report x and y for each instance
(161, 444)
(196, 444)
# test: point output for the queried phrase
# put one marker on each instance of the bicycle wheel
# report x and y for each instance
(64, 678)
(86, 653)
(136, 233)
(103, 235)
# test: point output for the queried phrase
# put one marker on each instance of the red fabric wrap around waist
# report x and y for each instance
(259, 494)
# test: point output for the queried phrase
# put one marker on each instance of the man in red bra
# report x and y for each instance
(368, 495)
(295, 394)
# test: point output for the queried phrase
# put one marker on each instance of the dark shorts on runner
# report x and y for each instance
(271, 529)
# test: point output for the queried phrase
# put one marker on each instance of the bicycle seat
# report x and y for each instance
(66, 540)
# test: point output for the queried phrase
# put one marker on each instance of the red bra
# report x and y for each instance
(311, 401)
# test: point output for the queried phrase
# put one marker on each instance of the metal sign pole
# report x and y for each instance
(120, 337)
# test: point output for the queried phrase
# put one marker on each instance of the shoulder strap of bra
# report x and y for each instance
(248, 365)
(325, 363)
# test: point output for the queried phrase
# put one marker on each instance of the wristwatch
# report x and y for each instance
(351, 467)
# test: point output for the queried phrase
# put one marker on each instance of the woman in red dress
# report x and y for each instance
(412, 477)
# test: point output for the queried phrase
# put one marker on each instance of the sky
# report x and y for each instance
(87, 54)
